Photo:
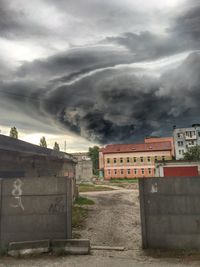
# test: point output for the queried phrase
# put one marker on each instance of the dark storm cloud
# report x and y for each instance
(88, 92)
(187, 27)
(75, 62)
(116, 105)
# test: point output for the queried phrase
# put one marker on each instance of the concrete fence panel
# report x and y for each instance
(170, 212)
(35, 209)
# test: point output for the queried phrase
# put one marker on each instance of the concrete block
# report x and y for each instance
(28, 247)
(71, 246)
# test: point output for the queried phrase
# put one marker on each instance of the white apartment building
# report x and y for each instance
(185, 138)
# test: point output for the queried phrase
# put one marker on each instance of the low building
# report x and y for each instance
(177, 168)
(84, 167)
(185, 138)
(132, 160)
(22, 159)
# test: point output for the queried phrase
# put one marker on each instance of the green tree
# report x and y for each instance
(56, 147)
(43, 142)
(14, 132)
(94, 155)
(193, 153)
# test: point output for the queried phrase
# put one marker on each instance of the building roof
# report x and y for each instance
(12, 144)
(125, 148)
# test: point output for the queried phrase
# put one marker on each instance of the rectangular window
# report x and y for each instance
(128, 171)
(163, 158)
(128, 160)
(135, 159)
(135, 171)
(156, 158)
(149, 170)
(148, 159)
(178, 135)
(142, 171)
(121, 171)
(109, 172)
(115, 172)
(141, 159)
(121, 160)
(115, 160)
(180, 143)
(108, 161)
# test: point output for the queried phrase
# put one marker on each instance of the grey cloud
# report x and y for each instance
(147, 45)
(16, 24)
(75, 62)
(105, 111)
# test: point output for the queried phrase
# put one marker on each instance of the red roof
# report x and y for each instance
(123, 148)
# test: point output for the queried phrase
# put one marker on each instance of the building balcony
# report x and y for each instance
(193, 137)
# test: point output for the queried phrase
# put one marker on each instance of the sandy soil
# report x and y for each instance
(114, 220)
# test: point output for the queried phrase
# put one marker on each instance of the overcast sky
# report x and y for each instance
(97, 71)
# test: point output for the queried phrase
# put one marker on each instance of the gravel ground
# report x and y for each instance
(114, 220)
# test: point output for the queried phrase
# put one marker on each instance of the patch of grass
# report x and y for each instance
(124, 180)
(78, 216)
(92, 188)
(83, 201)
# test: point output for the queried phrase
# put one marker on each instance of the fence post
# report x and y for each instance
(68, 208)
(142, 212)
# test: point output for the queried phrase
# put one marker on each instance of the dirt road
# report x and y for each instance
(114, 220)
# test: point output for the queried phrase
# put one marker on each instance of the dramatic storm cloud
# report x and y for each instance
(106, 71)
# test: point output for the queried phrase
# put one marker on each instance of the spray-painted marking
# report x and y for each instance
(57, 206)
(154, 188)
(17, 193)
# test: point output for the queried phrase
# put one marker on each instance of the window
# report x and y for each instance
(156, 158)
(108, 161)
(141, 159)
(181, 152)
(121, 160)
(148, 159)
(135, 171)
(149, 170)
(163, 158)
(180, 143)
(128, 171)
(135, 159)
(115, 171)
(142, 171)
(109, 172)
(178, 135)
(115, 160)
(121, 171)
(128, 160)
(199, 134)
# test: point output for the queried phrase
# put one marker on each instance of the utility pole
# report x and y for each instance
(65, 146)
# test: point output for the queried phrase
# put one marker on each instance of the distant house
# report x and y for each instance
(185, 138)
(133, 160)
(84, 167)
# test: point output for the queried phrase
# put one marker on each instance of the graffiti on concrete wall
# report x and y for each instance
(57, 206)
(17, 194)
